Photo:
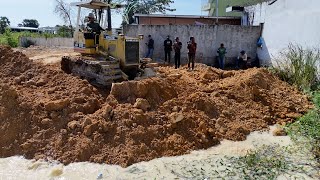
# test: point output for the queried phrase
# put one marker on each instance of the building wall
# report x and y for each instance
(208, 37)
(47, 42)
(223, 4)
(184, 21)
(285, 22)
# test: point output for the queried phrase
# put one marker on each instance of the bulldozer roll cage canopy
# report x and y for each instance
(96, 4)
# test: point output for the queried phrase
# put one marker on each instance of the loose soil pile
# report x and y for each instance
(45, 113)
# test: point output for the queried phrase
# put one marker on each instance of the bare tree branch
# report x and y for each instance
(64, 11)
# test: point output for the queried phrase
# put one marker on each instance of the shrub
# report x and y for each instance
(11, 41)
(298, 67)
(12, 38)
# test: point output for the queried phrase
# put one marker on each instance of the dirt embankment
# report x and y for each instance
(45, 113)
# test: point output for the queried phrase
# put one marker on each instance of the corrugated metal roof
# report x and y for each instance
(23, 28)
(183, 16)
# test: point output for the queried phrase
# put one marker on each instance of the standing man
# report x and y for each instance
(177, 52)
(150, 46)
(192, 47)
(221, 55)
(167, 49)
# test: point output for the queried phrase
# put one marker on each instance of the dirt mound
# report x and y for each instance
(37, 103)
(45, 113)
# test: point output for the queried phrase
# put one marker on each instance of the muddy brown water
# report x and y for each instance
(178, 167)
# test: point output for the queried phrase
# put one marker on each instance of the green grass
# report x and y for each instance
(306, 130)
(297, 66)
(12, 38)
(267, 162)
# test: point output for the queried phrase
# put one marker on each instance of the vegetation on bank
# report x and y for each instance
(12, 38)
(298, 67)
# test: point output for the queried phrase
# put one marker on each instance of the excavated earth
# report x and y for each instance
(47, 114)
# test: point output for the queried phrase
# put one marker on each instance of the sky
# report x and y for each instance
(43, 11)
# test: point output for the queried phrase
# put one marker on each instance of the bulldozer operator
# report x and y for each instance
(94, 27)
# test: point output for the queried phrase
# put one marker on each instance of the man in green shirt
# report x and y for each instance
(221, 55)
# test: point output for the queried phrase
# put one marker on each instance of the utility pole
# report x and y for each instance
(217, 11)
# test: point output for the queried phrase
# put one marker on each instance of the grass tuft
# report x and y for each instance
(298, 66)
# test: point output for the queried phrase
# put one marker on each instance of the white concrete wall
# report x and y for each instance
(288, 21)
(208, 38)
(48, 42)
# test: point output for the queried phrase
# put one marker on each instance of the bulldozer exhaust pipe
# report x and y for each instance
(109, 16)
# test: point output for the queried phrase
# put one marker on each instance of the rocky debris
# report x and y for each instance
(41, 82)
(73, 125)
(142, 104)
(176, 117)
(47, 113)
(210, 74)
(56, 105)
(278, 131)
(46, 121)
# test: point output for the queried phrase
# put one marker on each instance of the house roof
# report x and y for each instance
(183, 16)
(23, 28)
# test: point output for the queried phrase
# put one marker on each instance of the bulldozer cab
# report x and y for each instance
(88, 42)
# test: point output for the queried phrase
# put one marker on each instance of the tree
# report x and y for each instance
(63, 9)
(30, 23)
(4, 22)
(64, 31)
(143, 7)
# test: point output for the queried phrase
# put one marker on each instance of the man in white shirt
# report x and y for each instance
(243, 57)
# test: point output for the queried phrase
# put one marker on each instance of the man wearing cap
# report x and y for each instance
(93, 25)
(167, 49)
(177, 45)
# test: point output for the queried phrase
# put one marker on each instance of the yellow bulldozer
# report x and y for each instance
(106, 57)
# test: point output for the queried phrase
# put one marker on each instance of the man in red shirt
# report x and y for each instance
(192, 47)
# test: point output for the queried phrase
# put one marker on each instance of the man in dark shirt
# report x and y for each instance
(167, 49)
(177, 52)
(150, 46)
(192, 47)
(93, 25)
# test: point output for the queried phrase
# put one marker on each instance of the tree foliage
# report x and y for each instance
(63, 9)
(143, 7)
(64, 31)
(4, 22)
(30, 23)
